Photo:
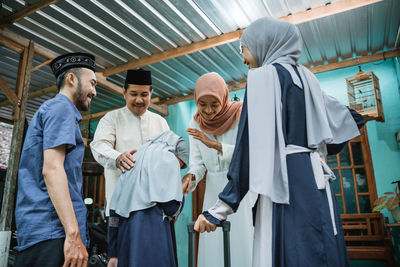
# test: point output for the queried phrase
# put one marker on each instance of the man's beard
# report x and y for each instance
(80, 98)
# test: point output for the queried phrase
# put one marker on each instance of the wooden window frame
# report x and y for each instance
(369, 171)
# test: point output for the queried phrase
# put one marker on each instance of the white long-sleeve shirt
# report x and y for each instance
(203, 158)
(119, 131)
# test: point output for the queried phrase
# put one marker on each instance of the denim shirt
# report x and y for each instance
(55, 123)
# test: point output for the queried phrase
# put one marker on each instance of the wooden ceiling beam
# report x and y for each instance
(26, 11)
(233, 87)
(180, 51)
(301, 17)
(18, 39)
(8, 121)
(39, 50)
(327, 10)
(9, 92)
(47, 54)
(356, 61)
(44, 91)
(32, 95)
(102, 81)
(96, 116)
(41, 65)
(11, 44)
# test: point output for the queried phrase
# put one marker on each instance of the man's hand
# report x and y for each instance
(75, 253)
(187, 183)
(198, 135)
(126, 161)
(113, 262)
(202, 225)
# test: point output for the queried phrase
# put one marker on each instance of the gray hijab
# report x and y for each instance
(270, 40)
(154, 178)
(327, 120)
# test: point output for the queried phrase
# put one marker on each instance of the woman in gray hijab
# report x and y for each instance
(287, 126)
(146, 201)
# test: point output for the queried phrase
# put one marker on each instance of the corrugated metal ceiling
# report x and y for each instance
(119, 31)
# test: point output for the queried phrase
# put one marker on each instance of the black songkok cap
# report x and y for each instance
(139, 77)
(72, 60)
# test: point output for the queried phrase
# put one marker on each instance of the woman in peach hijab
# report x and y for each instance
(212, 136)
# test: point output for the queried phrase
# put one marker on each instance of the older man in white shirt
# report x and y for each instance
(121, 132)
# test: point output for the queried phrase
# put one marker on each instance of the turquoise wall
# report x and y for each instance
(178, 120)
(384, 149)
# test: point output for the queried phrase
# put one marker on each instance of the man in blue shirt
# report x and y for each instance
(50, 213)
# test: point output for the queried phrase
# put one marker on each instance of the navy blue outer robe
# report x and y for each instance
(145, 238)
(302, 231)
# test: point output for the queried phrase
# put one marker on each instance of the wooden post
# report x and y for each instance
(85, 125)
(7, 209)
(20, 83)
(26, 11)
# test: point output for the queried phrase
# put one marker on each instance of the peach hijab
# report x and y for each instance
(214, 85)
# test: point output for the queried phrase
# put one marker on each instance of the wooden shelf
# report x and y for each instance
(392, 225)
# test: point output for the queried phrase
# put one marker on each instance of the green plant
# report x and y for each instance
(389, 202)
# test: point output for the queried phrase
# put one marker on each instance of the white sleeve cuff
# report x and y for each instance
(192, 186)
(111, 160)
(198, 175)
(114, 154)
(104, 154)
(220, 210)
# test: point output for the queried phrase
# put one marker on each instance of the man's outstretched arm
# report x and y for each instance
(56, 182)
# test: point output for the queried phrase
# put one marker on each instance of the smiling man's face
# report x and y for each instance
(137, 98)
(85, 89)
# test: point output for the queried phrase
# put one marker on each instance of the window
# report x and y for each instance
(355, 183)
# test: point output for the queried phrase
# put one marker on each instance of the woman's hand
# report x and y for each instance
(113, 262)
(198, 135)
(202, 225)
(187, 183)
